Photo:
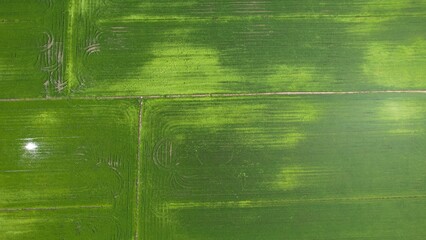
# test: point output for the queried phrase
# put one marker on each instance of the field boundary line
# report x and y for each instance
(206, 95)
(284, 93)
(138, 166)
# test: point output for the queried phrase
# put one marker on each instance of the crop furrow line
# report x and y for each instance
(54, 208)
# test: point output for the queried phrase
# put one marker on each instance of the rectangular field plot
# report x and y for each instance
(67, 169)
(32, 41)
(125, 47)
(309, 167)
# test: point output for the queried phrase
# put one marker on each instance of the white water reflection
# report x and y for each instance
(31, 146)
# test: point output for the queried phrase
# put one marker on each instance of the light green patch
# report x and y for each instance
(292, 177)
(365, 26)
(386, 6)
(186, 63)
(47, 118)
(297, 77)
(396, 66)
(70, 71)
(401, 113)
(289, 178)
(193, 69)
(83, 6)
(16, 228)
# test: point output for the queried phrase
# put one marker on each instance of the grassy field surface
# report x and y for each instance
(317, 167)
(124, 47)
(67, 169)
(213, 120)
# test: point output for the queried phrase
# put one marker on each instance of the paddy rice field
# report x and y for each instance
(213, 120)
